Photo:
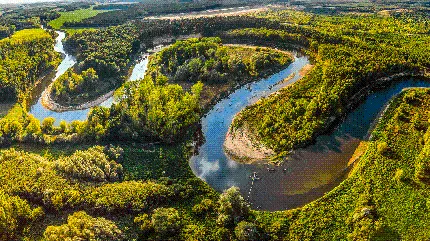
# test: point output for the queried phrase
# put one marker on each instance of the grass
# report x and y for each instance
(74, 16)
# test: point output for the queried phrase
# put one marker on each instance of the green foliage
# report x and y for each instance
(107, 51)
(206, 59)
(90, 165)
(246, 231)
(71, 88)
(206, 206)
(48, 125)
(81, 226)
(166, 221)
(350, 53)
(36, 178)
(24, 56)
(15, 215)
(422, 168)
(232, 208)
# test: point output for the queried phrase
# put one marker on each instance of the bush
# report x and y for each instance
(48, 125)
(383, 148)
(232, 208)
(204, 207)
(81, 226)
(15, 214)
(166, 221)
(245, 231)
(144, 222)
(90, 165)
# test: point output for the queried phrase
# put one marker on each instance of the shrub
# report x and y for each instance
(48, 125)
(382, 148)
(81, 226)
(232, 207)
(166, 221)
(90, 165)
(15, 214)
(245, 231)
(144, 222)
(204, 207)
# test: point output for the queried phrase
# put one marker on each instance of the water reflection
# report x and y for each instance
(40, 112)
(310, 172)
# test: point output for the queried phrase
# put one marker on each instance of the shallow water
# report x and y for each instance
(310, 172)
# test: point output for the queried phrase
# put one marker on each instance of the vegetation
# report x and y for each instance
(81, 226)
(147, 191)
(24, 57)
(71, 88)
(73, 17)
(356, 51)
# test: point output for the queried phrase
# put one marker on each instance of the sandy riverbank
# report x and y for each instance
(243, 146)
(50, 104)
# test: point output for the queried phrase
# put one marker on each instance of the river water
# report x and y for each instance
(307, 175)
(40, 112)
(309, 172)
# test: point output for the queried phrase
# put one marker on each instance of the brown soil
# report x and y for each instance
(241, 145)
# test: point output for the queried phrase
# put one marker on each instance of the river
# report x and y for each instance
(309, 172)
(40, 112)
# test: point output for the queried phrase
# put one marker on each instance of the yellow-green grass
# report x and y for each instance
(26, 34)
(77, 15)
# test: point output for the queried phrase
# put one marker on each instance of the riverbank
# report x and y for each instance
(50, 104)
(243, 146)
(236, 150)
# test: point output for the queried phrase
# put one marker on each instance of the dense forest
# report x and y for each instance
(71, 88)
(297, 114)
(124, 173)
(24, 58)
(104, 57)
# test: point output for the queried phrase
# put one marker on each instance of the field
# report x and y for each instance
(74, 16)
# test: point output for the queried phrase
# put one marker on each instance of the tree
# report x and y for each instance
(246, 231)
(48, 125)
(81, 226)
(232, 208)
(166, 221)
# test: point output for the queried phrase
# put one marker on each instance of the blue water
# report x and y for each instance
(309, 172)
(40, 112)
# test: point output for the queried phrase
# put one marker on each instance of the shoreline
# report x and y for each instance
(241, 146)
(233, 148)
(48, 103)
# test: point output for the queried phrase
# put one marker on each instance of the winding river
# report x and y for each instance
(41, 112)
(309, 172)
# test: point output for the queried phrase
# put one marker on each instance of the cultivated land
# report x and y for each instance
(74, 16)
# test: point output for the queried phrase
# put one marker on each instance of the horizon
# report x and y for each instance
(14, 2)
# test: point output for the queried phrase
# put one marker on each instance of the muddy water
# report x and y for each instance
(40, 112)
(310, 172)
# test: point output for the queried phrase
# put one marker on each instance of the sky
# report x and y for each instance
(23, 1)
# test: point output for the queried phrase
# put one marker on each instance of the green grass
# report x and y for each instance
(77, 15)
